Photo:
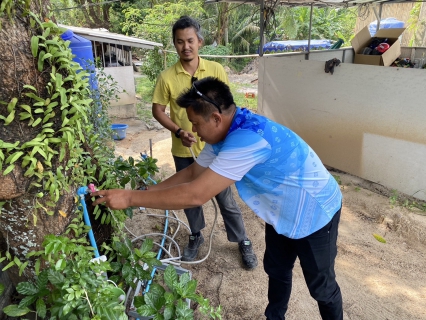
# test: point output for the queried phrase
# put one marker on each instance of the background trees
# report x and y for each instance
(227, 24)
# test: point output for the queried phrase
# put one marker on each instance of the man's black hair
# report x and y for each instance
(187, 22)
(214, 89)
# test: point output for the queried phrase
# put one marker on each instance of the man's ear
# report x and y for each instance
(216, 117)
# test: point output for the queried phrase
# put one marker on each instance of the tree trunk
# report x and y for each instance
(97, 16)
(22, 227)
(223, 21)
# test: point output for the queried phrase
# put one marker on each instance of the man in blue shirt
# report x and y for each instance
(276, 174)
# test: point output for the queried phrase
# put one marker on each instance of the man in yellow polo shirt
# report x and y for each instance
(187, 39)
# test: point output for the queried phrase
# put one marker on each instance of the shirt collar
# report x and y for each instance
(201, 67)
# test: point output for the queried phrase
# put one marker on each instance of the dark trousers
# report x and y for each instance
(229, 209)
(317, 253)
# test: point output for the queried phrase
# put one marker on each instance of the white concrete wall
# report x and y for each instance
(369, 121)
(125, 106)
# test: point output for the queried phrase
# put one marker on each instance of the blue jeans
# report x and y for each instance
(229, 209)
(317, 253)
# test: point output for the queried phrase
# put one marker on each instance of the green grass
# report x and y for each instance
(238, 91)
(145, 89)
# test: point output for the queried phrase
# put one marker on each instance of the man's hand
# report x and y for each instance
(188, 139)
(114, 199)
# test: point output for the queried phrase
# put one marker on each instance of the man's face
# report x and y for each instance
(207, 131)
(187, 44)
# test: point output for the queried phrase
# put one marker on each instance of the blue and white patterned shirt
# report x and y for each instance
(277, 174)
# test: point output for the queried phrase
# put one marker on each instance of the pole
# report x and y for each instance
(262, 22)
(310, 30)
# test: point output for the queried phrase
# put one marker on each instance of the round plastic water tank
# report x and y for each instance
(385, 24)
(82, 49)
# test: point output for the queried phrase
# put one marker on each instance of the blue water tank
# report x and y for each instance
(385, 24)
(82, 49)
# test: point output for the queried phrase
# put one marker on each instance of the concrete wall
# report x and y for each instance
(365, 120)
(125, 107)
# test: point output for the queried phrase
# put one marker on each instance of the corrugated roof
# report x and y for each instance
(113, 38)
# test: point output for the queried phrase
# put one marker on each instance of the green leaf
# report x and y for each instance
(8, 169)
(146, 246)
(9, 118)
(47, 55)
(12, 104)
(169, 312)
(42, 280)
(13, 157)
(35, 123)
(34, 45)
(190, 288)
(33, 96)
(27, 301)
(37, 266)
(55, 277)
(183, 311)
(14, 311)
(170, 277)
(41, 308)
(146, 311)
(40, 63)
(27, 86)
(46, 32)
(2, 288)
(22, 267)
(26, 288)
(138, 301)
(379, 238)
(9, 265)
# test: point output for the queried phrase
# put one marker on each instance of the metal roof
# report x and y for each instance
(316, 3)
(113, 38)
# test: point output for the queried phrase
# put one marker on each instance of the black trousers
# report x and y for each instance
(317, 253)
(229, 209)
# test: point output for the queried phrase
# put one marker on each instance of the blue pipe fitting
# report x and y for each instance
(81, 192)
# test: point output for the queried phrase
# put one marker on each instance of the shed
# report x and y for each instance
(115, 53)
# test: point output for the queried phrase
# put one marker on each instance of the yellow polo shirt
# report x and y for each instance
(170, 84)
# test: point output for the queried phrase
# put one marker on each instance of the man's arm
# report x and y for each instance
(167, 195)
(159, 113)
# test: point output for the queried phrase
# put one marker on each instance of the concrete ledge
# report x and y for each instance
(123, 111)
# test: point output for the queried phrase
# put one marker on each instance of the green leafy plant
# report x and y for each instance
(71, 286)
(73, 148)
(171, 303)
(131, 263)
(218, 50)
(135, 172)
(393, 199)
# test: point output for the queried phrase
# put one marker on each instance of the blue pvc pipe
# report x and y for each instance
(81, 192)
(166, 225)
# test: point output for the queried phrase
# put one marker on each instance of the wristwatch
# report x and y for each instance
(177, 133)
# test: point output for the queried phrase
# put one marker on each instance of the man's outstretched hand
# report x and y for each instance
(116, 199)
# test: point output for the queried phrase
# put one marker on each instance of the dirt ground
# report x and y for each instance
(379, 281)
